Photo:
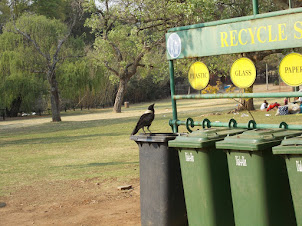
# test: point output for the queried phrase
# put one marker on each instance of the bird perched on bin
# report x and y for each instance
(145, 120)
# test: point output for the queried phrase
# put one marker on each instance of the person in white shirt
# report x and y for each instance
(264, 105)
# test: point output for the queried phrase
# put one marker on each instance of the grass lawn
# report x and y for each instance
(95, 143)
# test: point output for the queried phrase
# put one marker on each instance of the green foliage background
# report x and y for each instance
(129, 26)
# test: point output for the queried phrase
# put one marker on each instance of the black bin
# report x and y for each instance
(161, 193)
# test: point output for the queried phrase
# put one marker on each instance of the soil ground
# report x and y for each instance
(86, 202)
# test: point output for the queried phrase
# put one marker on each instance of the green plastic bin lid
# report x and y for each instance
(256, 140)
(289, 146)
(203, 138)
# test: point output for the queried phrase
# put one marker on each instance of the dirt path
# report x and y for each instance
(72, 203)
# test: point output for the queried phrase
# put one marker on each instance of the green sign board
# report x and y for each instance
(278, 32)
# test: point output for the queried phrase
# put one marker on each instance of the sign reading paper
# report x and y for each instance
(243, 73)
(290, 69)
(199, 75)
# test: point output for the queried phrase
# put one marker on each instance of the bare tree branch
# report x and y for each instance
(37, 47)
(117, 52)
(70, 56)
(38, 72)
(61, 41)
(111, 69)
(131, 68)
(145, 65)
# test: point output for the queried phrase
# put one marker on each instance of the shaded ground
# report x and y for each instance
(86, 202)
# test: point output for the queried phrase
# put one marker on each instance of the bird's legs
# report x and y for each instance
(143, 130)
(148, 129)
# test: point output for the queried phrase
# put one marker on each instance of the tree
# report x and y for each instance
(50, 39)
(83, 83)
(126, 31)
(4, 13)
(19, 86)
(54, 9)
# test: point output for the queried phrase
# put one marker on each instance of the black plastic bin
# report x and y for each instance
(161, 191)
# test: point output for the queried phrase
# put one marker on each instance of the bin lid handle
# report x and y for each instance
(189, 123)
(232, 123)
(207, 122)
(252, 122)
(283, 125)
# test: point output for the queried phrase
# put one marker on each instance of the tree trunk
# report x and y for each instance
(120, 96)
(247, 103)
(54, 98)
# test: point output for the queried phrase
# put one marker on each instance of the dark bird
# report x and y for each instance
(145, 120)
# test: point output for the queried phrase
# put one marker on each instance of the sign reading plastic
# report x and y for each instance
(290, 69)
(243, 73)
(199, 75)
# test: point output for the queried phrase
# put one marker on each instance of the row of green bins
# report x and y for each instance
(259, 184)
(205, 177)
(291, 150)
(162, 200)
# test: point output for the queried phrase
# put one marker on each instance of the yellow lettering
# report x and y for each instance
(270, 34)
(239, 37)
(281, 29)
(258, 34)
(298, 29)
(252, 34)
(233, 38)
(224, 36)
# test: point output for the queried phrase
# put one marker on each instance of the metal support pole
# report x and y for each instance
(255, 7)
(242, 125)
(172, 87)
(289, 4)
(266, 77)
(237, 95)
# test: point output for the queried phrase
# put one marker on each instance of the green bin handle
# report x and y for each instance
(284, 125)
(189, 122)
(252, 122)
(232, 121)
(206, 121)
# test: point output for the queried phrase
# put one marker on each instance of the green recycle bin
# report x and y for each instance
(259, 184)
(205, 177)
(291, 150)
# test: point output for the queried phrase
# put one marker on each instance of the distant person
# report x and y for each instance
(264, 105)
(272, 106)
(285, 101)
